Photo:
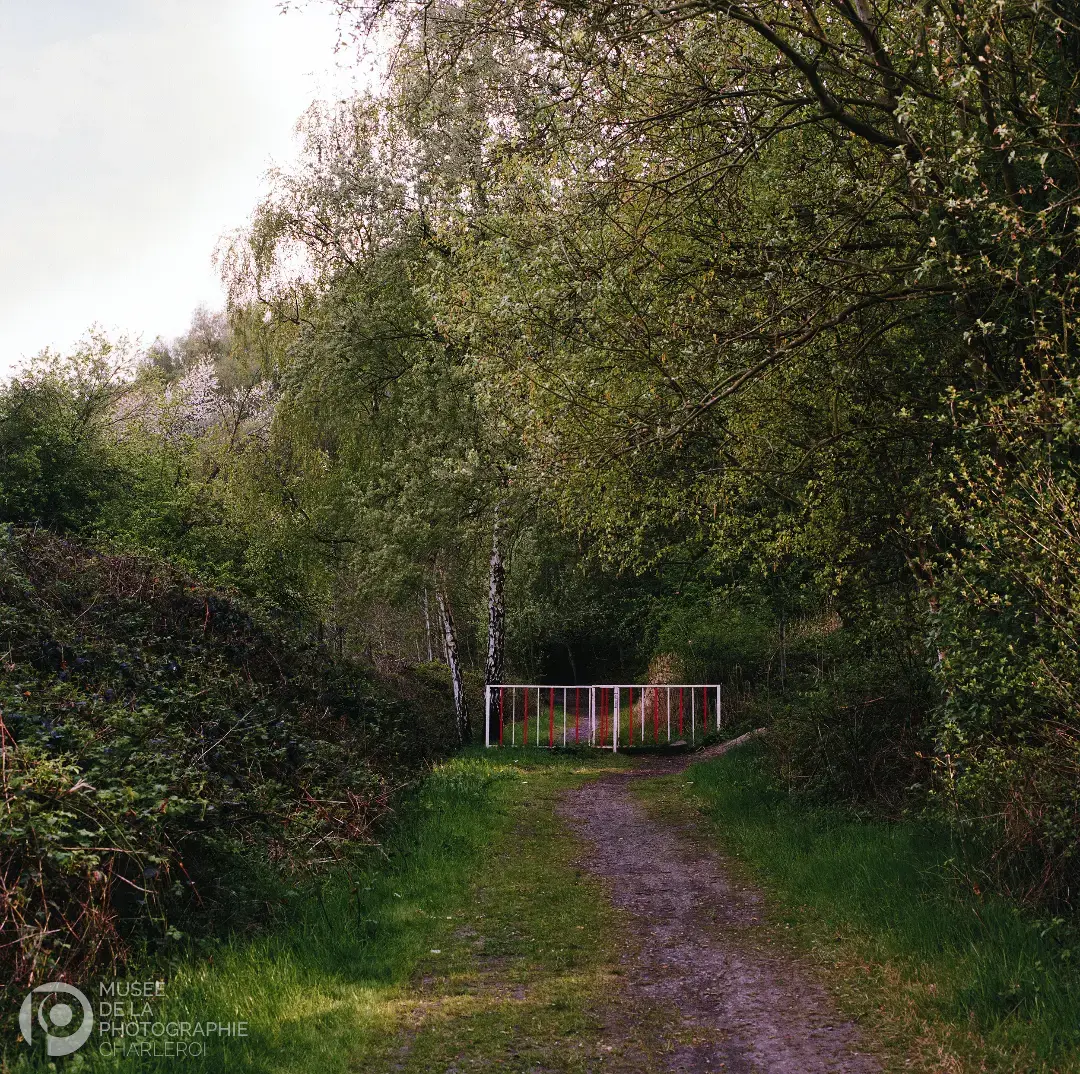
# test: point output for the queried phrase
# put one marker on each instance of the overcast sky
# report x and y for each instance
(133, 133)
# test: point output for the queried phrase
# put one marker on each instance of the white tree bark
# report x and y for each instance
(453, 659)
(493, 669)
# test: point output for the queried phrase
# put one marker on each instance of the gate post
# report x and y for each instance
(615, 720)
(487, 716)
(717, 706)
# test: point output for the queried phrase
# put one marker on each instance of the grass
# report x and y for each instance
(946, 978)
(472, 940)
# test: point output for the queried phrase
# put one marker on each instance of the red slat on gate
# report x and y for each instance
(551, 717)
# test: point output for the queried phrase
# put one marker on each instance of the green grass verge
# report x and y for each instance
(945, 979)
(472, 939)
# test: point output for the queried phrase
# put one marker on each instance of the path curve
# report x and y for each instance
(746, 1008)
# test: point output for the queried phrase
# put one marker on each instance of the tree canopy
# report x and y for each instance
(742, 333)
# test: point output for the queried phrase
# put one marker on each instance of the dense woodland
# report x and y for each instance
(739, 337)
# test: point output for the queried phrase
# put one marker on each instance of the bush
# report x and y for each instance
(56, 470)
(856, 735)
(170, 759)
(1007, 634)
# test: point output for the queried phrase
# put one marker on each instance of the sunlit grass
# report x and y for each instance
(937, 968)
(471, 933)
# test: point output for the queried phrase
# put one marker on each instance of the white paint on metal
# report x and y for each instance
(593, 708)
(606, 685)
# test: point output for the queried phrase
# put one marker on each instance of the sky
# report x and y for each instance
(134, 134)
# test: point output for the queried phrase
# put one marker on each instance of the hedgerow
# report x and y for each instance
(171, 758)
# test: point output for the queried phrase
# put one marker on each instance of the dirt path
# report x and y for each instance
(745, 1006)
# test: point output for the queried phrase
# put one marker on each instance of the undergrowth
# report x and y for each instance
(170, 760)
(938, 966)
(468, 938)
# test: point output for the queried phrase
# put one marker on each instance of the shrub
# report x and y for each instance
(170, 758)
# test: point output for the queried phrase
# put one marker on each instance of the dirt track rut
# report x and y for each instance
(744, 1006)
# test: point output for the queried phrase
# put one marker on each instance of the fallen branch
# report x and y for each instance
(723, 747)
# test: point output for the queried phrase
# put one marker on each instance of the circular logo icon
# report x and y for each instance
(55, 1017)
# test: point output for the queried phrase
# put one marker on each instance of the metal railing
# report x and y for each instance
(603, 715)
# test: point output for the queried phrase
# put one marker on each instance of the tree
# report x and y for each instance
(404, 474)
(61, 462)
(798, 285)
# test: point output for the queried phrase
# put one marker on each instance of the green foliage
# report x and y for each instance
(855, 735)
(354, 954)
(894, 894)
(752, 330)
(59, 467)
(791, 295)
(168, 753)
(717, 634)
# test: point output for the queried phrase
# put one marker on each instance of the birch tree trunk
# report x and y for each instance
(493, 669)
(453, 659)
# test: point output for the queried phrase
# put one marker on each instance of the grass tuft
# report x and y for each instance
(936, 967)
(472, 933)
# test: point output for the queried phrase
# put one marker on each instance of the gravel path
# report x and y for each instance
(745, 1006)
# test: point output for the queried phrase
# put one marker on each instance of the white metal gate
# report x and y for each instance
(607, 716)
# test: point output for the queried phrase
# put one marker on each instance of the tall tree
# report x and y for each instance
(798, 284)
